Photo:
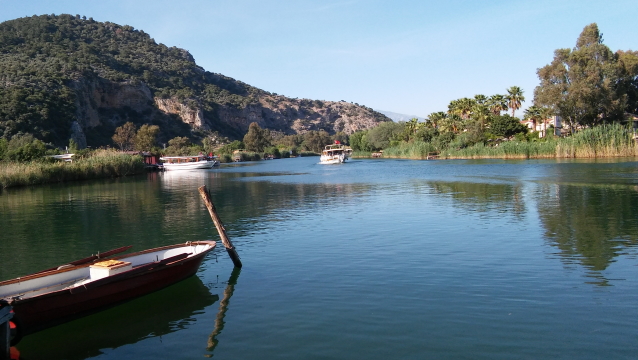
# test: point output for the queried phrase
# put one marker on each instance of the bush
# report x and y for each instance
(506, 126)
(25, 148)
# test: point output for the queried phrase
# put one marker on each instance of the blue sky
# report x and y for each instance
(405, 56)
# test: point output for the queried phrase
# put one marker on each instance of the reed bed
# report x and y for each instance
(602, 141)
(415, 150)
(101, 164)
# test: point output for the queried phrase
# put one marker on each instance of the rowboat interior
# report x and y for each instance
(70, 276)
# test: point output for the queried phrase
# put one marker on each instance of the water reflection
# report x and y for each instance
(483, 197)
(154, 315)
(223, 307)
(66, 222)
(249, 202)
(590, 225)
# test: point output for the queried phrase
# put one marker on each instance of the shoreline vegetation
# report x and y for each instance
(100, 164)
(604, 141)
(612, 140)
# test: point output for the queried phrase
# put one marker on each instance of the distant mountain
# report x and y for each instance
(67, 77)
(399, 117)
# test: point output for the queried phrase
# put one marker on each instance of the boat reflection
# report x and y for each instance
(163, 312)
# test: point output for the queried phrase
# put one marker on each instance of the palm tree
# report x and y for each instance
(480, 99)
(515, 97)
(411, 128)
(461, 107)
(481, 113)
(497, 103)
(545, 113)
(451, 123)
(435, 119)
(533, 113)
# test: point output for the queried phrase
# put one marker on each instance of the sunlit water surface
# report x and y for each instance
(373, 259)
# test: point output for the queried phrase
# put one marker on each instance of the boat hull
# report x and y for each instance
(40, 312)
(191, 166)
(333, 160)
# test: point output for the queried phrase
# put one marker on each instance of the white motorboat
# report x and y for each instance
(188, 162)
(336, 153)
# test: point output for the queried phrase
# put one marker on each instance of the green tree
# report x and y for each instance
(462, 107)
(497, 104)
(481, 114)
(628, 82)
(582, 84)
(146, 137)
(73, 146)
(533, 114)
(506, 126)
(124, 136)
(24, 148)
(229, 148)
(179, 146)
(316, 140)
(381, 136)
(290, 141)
(452, 124)
(257, 139)
(3, 148)
(359, 141)
(341, 137)
(515, 98)
(410, 129)
(481, 99)
(435, 119)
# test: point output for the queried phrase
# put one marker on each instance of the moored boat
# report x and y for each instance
(188, 162)
(336, 153)
(54, 296)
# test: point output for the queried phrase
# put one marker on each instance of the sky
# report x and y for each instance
(404, 56)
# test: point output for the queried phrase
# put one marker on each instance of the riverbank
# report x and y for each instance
(101, 164)
(601, 141)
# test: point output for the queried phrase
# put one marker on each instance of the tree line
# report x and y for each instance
(586, 86)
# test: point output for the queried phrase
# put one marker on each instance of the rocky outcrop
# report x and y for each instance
(191, 114)
(95, 94)
(77, 135)
(101, 101)
(297, 116)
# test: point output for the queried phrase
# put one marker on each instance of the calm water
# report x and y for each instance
(374, 259)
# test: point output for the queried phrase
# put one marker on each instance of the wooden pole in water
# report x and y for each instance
(220, 227)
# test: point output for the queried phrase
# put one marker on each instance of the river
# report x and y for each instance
(372, 259)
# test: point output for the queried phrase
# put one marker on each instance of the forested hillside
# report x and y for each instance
(67, 77)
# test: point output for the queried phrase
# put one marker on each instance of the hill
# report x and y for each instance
(67, 77)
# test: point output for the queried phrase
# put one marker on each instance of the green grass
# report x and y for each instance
(101, 164)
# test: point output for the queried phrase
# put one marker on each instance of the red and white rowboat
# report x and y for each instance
(54, 296)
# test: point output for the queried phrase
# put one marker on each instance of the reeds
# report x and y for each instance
(414, 150)
(101, 164)
(600, 141)
(613, 140)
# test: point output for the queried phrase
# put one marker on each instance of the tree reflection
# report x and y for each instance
(590, 224)
(506, 198)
